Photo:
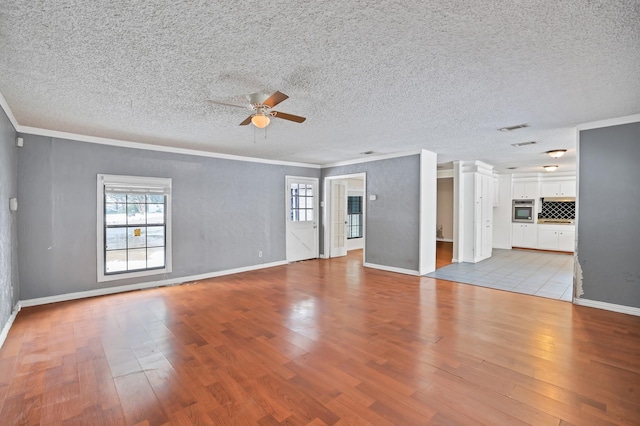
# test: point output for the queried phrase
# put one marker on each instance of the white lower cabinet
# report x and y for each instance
(524, 235)
(556, 237)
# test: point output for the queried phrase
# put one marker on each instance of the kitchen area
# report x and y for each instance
(543, 212)
(533, 237)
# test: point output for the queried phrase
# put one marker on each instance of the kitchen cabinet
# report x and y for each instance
(558, 189)
(556, 237)
(525, 190)
(476, 218)
(524, 235)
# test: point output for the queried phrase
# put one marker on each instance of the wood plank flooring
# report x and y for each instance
(322, 342)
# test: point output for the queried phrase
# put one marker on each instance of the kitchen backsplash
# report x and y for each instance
(558, 210)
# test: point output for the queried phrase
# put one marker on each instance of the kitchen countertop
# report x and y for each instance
(556, 221)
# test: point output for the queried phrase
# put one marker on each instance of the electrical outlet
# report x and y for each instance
(260, 253)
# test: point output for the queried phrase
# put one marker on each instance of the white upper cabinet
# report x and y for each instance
(558, 189)
(525, 190)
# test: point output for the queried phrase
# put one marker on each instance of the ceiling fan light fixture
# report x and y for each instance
(551, 168)
(556, 153)
(260, 121)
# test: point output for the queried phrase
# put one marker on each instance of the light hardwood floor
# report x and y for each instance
(320, 342)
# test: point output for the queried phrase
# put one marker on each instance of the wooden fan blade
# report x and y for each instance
(247, 121)
(289, 117)
(275, 99)
(228, 104)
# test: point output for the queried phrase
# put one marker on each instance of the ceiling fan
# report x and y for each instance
(261, 105)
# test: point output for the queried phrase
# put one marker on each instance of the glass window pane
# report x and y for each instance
(136, 237)
(294, 188)
(115, 198)
(136, 213)
(116, 238)
(155, 236)
(115, 214)
(115, 261)
(136, 198)
(155, 213)
(309, 190)
(137, 259)
(155, 257)
(155, 198)
(309, 214)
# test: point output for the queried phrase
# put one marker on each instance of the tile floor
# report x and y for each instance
(522, 271)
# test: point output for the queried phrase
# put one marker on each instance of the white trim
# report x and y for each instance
(445, 240)
(443, 174)
(142, 286)
(627, 119)
(7, 326)
(630, 310)
(12, 118)
(149, 147)
(370, 159)
(392, 269)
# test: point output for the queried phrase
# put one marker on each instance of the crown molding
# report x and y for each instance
(370, 159)
(627, 119)
(7, 110)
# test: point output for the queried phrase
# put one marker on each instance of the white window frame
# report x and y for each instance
(135, 183)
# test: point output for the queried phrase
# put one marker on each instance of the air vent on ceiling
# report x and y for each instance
(512, 128)
(524, 143)
(368, 152)
(511, 168)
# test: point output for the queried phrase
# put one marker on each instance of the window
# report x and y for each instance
(134, 226)
(354, 217)
(301, 202)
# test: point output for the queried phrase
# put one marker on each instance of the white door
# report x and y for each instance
(338, 218)
(302, 218)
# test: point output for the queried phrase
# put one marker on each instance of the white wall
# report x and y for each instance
(444, 217)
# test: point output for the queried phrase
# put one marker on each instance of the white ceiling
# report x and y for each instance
(386, 76)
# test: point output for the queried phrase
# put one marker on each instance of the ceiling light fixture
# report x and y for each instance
(556, 153)
(551, 168)
(260, 121)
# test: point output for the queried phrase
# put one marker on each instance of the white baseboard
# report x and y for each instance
(7, 326)
(392, 269)
(142, 286)
(630, 310)
(446, 240)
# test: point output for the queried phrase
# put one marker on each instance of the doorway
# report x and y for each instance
(344, 215)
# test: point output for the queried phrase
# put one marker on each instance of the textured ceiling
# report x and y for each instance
(384, 76)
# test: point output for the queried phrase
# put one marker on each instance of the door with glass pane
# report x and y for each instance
(302, 218)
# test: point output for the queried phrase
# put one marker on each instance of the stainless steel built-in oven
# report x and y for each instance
(523, 211)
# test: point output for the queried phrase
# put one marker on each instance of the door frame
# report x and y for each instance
(326, 211)
(316, 210)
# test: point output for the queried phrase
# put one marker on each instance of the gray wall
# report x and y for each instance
(392, 221)
(609, 218)
(8, 220)
(224, 212)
